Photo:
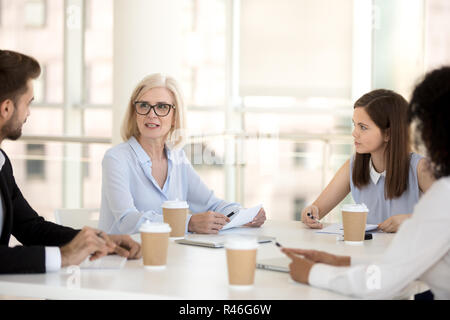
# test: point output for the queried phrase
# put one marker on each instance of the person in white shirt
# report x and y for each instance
(383, 173)
(421, 248)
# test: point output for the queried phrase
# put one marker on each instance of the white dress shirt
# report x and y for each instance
(374, 175)
(419, 251)
(52, 254)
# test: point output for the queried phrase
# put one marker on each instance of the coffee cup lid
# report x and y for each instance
(157, 227)
(175, 204)
(355, 207)
(241, 242)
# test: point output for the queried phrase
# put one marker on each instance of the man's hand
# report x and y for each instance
(88, 242)
(207, 222)
(320, 256)
(259, 219)
(392, 223)
(125, 246)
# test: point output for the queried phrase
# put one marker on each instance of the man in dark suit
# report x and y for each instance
(46, 246)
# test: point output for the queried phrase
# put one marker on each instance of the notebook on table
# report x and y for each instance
(274, 264)
(213, 241)
(337, 228)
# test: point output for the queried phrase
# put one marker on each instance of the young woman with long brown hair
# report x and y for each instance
(383, 174)
(421, 248)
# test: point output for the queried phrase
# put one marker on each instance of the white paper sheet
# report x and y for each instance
(244, 216)
(338, 229)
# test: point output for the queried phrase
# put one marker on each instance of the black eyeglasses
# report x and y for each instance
(161, 109)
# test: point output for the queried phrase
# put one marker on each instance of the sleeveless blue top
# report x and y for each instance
(373, 194)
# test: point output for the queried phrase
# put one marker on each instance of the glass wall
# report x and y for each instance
(295, 76)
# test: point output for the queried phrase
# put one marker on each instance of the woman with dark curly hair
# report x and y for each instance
(421, 248)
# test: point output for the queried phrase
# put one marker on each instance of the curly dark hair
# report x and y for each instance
(430, 109)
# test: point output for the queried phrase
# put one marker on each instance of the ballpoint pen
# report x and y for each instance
(312, 217)
(281, 248)
(230, 214)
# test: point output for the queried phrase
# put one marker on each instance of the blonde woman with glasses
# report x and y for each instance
(150, 167)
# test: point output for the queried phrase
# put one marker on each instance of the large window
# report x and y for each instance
(204, 34)
(35, 161)
(35, 14)
(269, 86)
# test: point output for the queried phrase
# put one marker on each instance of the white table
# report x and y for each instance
(194, 272)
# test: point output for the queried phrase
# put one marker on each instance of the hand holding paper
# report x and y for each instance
(258, 220)
(243, 217)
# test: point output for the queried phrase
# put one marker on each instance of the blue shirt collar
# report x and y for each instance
(142, 155)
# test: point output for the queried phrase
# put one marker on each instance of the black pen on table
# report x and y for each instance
(367, 236)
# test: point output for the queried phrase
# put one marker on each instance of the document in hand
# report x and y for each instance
(242, 217)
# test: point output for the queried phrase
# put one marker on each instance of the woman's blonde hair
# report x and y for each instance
(176, 136)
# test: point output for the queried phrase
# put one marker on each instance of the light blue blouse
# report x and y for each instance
(130, 194)
(373, 194)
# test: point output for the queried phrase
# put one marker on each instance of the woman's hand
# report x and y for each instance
(207, 222)
(392, 224)
(299, 267)
(320, 256)
(309, 221)
(258, 220)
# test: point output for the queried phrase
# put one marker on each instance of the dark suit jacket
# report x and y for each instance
(20, 220)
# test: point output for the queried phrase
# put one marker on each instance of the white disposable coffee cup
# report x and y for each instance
(354, 217)
(241, 260)
(155, 243)
(175, 214)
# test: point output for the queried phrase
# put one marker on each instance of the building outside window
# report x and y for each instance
(294, 88)
(35, 13)
(35, 163)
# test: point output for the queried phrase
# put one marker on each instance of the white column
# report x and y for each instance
(365, 19)
(398, 45)
(73, 98)
(233, 121)
(147, 39)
